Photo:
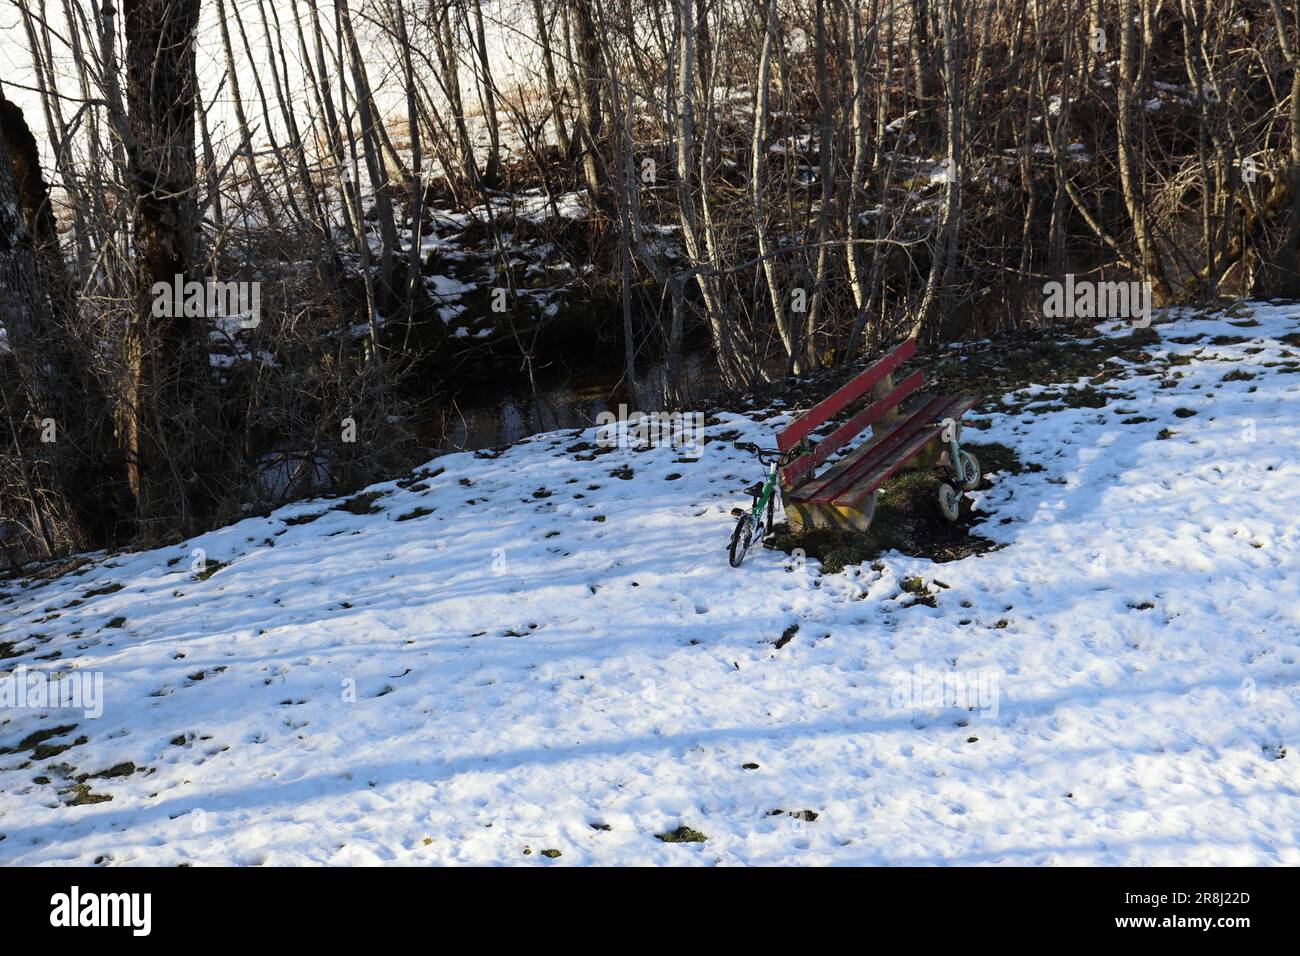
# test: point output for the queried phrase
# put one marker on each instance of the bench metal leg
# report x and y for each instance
(803, 516)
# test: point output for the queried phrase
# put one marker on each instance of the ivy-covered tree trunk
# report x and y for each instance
(24, 306)
(50, 403)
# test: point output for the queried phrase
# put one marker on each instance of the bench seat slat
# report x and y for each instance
(845, 473)
(862, 472)
(802, 426)
(803, 466)
(890, 464)
(886, 466)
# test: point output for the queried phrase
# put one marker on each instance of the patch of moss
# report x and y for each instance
(80, 795)
(50, 751)
(919, 590)
(416, 482)
(1085, 397)
(124, 769)
(210, 567)
(39, 737)
(303, 519)
(682, 834)
(362, 504)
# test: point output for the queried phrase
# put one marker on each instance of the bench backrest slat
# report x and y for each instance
(819, 414)
(803, 467)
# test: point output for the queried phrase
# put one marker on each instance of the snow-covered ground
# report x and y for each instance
(556, 657)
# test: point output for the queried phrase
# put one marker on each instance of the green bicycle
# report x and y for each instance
(756, 524)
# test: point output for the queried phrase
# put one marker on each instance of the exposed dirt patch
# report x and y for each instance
(907, 519)
(787, 636)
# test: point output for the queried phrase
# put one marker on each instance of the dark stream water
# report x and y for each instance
(565, 397)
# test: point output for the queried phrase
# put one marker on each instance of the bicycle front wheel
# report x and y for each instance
(740, 540)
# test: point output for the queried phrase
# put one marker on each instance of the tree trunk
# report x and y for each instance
(165, 355)
(1289, 259)
(491, 169)
(373, 153)
(758, 185)
(241, 118)
(590, 81)
(1132, 75)
(552, 84)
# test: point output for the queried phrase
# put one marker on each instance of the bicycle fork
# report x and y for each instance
(950, 435)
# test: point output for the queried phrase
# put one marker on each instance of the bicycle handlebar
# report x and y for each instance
(765, 455)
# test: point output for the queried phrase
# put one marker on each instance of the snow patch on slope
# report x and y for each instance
(547, 649)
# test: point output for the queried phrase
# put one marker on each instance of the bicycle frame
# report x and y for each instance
(761, 500)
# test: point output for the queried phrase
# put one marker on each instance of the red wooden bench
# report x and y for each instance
(845, 495)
